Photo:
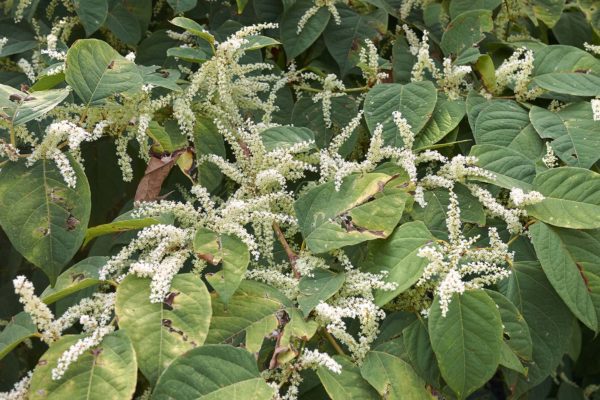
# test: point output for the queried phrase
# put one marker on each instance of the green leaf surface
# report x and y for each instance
(294, 43)
(96, 71)
(516, 331)
(550, 321)
(82, 275)
(228, 250)
(19, 328)
(446, 116)
(92, 14)
(467, 340)
(397, 255)
(416, 101)
(19, 107)
(109, 371)
(181, 6)
(213, 372)
(117, 227)
(458, 7)
(284, 137)
(573, 132)
(349, 384)
(44, 219)
(499, 123)
(548, 11)
(194, 28)
(465, 30)
(361, 210)
(510, 168)
(570, 83)
(344, 40)
(319, 287)
(419, 351)
(393, 378)
(252, 304)
(560, 252)
(572, 198)
(160, 332)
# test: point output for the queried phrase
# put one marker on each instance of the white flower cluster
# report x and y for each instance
(550, 159)
(452, 78)
(20, 10)
(160, 252)
(368, 62)
(20, 390)
(596, 109)
(592, 48)
(516, 71)
(521, 199)
(456, 266)
(313, 359)
(332, 87)
(3, 41)
(73, 135)
(40, 314)
(9, 151)
(27, 69)
(312, 11)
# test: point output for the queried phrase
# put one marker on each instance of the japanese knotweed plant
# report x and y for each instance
(300, 199)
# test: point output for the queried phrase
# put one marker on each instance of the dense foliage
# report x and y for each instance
(300, 199)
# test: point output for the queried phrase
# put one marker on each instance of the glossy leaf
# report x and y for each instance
(170, 328)
(107, 372)
(44, 218)
(19, 107)
(19, 328)
(317, 288)
(293, 42)
(82, 275)
(349, 384)
(467, 340)
(213, 372)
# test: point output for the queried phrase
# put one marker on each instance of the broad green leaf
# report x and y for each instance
(319, 287)
(475, 104)
(570, 83)
(416, 101)
(465, 30)
(435, 213)
(499, 123)
(167, 138)
(160, 332)
(517, 335)
(446, 116)
(458, 7)
(393, 378)
(294, 43)
(190, 54)
(194, 28)
(548, 11)
(117, 226)
(573, 131)
(562, 253)
(19, 328)
(78, 277)
(163, 78)
(361, 210)
(19, 107)
(256, 333)
(420, 353)
(92, 14)
(44, 219)
(297, 327)
(487, 72)
(467, 340)
(510, 360)
(108, 371)
(181, 6)
(345, 40)
(349, 384)
(213, 372)
(96, 71)
(228, 250)
(257, 42)
(252, 304)
(397, 255)
(572, 198)
(549, 320)
(510, 168)
(283, 137)
(121, 21)
(402, 61)
(559, 58)
(208, 140)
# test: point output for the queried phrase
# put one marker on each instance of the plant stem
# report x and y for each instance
(288, 250)
(333, 342)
